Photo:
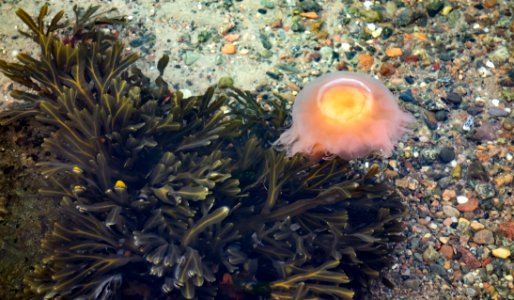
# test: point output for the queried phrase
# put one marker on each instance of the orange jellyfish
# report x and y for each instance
(350, 115)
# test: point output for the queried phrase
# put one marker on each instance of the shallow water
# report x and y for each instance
(448, 64)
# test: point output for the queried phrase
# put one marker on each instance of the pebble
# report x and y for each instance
(434, 6)
(365, 61)
(450, 211)
(485, 190)
(232, 37)
(489, 3)
(310, 5)
(226, 82)
(309, 15)
(407, 96)
(502, 253)
(446, 251)
(387, 69)
(484, 237)
(229, 49)
(469, 206)
(475, 226)
(469, 259)
(405, 17)
(191, 57)
(498, 112)
(453, 98)
(430, 254)
(394, 52)
(461, 199)
(504, 179)
(371, 15)
(446, 155)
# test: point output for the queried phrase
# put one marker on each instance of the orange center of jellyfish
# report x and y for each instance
(344, 102)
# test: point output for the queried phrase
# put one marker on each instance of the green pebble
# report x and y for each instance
(265, 53)
(371, 16)
(297, 27)
(191, 57)
(434, 7)
(453, 18)
(226, 82)
(218, 60)
(508, 94)
(267, 4)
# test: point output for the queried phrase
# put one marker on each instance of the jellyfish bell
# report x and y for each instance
(350, 115)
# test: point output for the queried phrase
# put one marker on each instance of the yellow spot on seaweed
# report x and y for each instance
(78, 189)
(120, 185)
(77, 170)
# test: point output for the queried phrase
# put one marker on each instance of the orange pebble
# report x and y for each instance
(309, 15)
(229, 49)
(231, 37)
(421, 36)
(393, 52)
(489, 3)
(365, 61)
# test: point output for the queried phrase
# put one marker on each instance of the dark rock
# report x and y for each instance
(477, 171)
(446, 56)
(453, 98)
(350, 54)
(511, 74)
(387, 32)
(445, 182)
(441, 115)
(474, 110)
(273, 75)
(434, 7)
(262, 11)
(412, 284)
(410, 79)
(405, 17)
(508, 82)
(430, 120)
(446, 155)
(498, 112)
(407, 96)
(310, 5)
(486, 132)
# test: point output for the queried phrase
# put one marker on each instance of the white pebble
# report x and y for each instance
(453, 163)
(489, 64)
(495, 102)
(468, 124)
(376, 33)
(15, 52)
(368, 4)
(484, 72)
(345, 47)
(130, 17)
(186, 93)
(509, 157)
(462, 199)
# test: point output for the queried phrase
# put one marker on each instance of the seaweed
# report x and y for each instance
(164, 196)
